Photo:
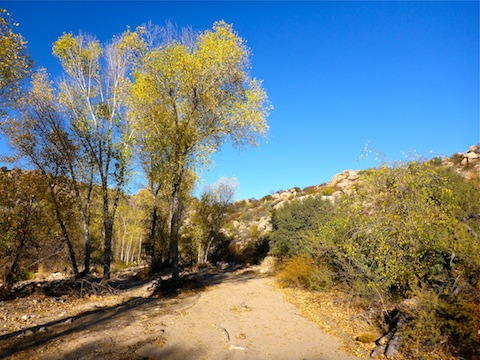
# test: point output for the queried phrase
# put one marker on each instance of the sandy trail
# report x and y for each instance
(239, 315)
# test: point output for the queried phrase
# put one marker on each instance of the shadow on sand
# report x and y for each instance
(189, 286)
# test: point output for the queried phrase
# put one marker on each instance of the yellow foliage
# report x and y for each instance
(15, 62)
(304, 272)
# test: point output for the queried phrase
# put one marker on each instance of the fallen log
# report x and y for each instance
(390, 343)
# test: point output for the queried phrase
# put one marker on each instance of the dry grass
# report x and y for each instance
(335, 314)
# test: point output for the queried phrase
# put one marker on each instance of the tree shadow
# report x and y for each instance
(72, 286)
(150, 349)
(229, 275)
(39, 335)
(188, 286)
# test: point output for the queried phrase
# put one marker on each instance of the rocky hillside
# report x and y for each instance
(250, 220)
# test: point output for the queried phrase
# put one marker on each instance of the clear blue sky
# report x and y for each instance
(400, 76)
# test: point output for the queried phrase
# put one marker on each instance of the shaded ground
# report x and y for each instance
(231, 315)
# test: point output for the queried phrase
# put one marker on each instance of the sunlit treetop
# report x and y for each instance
(15, 62)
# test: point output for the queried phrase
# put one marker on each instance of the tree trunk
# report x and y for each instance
(84, 210)
(107, 260)
(52, 183)
(151, 241)
(66, 238)
(128, 251)
(200, 256)
(12, 275)
(86, 230)
(174, 230)
(123, 245)
(139, 250)
(109, 216)
(208, 247)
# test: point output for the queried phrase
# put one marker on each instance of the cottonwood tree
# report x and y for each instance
(210, 214)
(128, 242)
(15, 61)
(92, 94)
(38, 133)
(190, 94)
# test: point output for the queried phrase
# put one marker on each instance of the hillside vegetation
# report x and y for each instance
(401, 241)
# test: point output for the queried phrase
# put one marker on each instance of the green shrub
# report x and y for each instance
(456, 158)
(266, 198)
(437, 161)
(409, 230)
(254, 232)
(423, 333)
(310, 190)
(26, 275)
(327, 190)
(461, 323)
(292, 221)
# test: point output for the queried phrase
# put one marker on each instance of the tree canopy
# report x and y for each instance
(15, 62)
(190, 94)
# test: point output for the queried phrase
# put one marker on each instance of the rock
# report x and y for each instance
(336, 195)
(330, 198)
(352, 175)
(471, 156)
(474, 148)
(344, 180)
(393, 347)
(28, 333)
(278, 205)
(223, 265)
(267, 265)
(25, 317)
(378, 351)
(55, 276)
(264, 225)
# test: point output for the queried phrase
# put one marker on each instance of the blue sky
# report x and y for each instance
(400, 76)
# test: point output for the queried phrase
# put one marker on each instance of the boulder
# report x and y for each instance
(264, 225)
(471, 156)
(474, 148)
(344, 180)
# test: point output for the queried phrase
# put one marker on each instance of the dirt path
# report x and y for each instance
(239, 315)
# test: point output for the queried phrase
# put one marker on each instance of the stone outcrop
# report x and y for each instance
(465, 163)
(280, 198)
(471, 156)
(254, 216)
(343, 182)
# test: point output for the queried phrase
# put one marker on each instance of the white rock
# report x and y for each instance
(473, 148)
(471, 156)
